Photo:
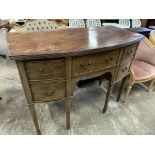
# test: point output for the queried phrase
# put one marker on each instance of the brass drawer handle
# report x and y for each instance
(129, 52)
(86, 65)
(107, 60)
(112, 58)
(48, 93)
(52, 69)
(41, 70)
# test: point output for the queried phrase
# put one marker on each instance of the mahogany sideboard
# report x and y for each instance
(51, 63)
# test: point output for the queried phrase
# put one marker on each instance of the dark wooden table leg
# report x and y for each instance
(110, 88)
(28, 95)
(68, 68)
(68, 110)
(34, 117)
(121, 88)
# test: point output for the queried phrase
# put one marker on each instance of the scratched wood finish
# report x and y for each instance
(49, 69)
(68, 42)
(55, 61)
(47, 91)
(92, 62)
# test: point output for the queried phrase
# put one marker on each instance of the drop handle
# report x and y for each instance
(106, 60)
(109, 59)
(112, 58)
(129, 52)
(41, 70)
(48, 93)
(52, 69)
(86, 65)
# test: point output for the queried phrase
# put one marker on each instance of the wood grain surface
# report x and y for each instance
(68, 42)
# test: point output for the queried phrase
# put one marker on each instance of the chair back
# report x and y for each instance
(124, 23)
(152, 37)
(38, 25)
(146, 52)
(136, 23)
(76, 23)
(93, 22)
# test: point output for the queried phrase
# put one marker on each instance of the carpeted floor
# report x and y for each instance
(137, 116)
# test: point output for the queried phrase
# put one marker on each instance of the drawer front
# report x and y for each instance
(94, 62)
(129, 51)
(124, 69)
(48, 69)
(43, 92)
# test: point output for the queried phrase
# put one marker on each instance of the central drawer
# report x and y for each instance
(47, 91)
(48, 69)
(94, 62)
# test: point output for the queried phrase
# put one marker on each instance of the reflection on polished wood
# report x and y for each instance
(51, 63)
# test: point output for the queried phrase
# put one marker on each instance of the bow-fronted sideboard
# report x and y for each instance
(51, 63)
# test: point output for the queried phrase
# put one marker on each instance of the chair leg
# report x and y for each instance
(128, 90)
(151, 86)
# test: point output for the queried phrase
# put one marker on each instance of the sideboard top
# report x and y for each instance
(68, 42)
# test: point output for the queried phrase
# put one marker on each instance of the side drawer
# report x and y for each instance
(124, 69)
(93, 62)
(129, 51)
(48, 69)
(47, 91)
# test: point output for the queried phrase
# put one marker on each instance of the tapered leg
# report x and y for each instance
(128, 91)
(121, 88)
(34, 117)
(151, 85)
(68, 111)
(28, 94)
(68, 67)
(110, 88)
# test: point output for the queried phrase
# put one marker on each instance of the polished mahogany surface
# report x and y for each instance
(68, 56)
(68, 42)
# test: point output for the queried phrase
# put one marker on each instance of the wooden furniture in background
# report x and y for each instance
(152, 27)
(150, 22)
(143, 66)
(141, 30)
(51, 63)
(143, 22)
